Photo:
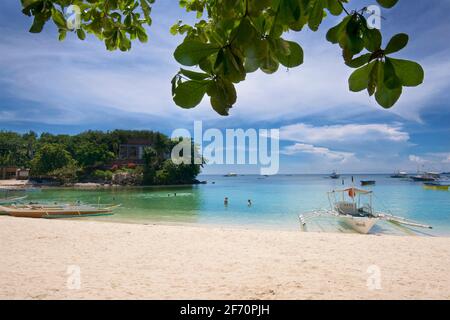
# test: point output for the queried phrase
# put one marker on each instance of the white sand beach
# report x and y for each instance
(13, 184)
(126, 261)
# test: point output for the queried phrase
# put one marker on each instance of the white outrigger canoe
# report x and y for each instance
(56, 211)
(349, 208)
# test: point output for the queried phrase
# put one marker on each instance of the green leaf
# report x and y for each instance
(334, 7)
(190, 52)
(38, 24)
(230, 65)
(190, 93)
(223, 95)
(397, 43)
(81, 34)
(410, 73)
(354, 42)
(359, 79)
(268, 62)
(142, 35)
(375, 74)
(336, 33)
(316, 15)
(253, 56)
(194, 75)
(245, 34)
(372, 39)
(290, 58)
(62, 34)
(387, 97)
(58, 19)
(391, 80)
(387, 3)
(359, 61)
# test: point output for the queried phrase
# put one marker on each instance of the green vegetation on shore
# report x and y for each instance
(94, 156)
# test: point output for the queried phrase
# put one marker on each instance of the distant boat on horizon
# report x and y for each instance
(368, 182)
(399, 174)
(335, 175)
(231, 174)
(426, 177)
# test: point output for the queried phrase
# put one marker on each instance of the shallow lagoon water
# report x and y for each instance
(276, 202)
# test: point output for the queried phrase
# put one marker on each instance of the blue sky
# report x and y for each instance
(71, 86)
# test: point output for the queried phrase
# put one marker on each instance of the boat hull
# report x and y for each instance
(361, 225)
(57, 214)
(368, 183)
(50, 213)
(435, 187)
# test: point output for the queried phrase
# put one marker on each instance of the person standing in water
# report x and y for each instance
(225, 201)
(249, 202)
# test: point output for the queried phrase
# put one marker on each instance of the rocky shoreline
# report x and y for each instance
(27, 184)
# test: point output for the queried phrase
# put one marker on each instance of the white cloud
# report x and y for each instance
(432, 159)
(332, 155)
(438, 157)
(349, 133)
(417, 159)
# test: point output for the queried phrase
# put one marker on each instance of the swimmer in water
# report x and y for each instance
(249, 202)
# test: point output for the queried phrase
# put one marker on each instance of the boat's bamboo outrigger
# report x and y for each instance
(12, 200)
(346, 205)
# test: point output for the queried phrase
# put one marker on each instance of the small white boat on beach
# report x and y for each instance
(354, 208)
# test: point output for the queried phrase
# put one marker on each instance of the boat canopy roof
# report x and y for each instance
(354, 190)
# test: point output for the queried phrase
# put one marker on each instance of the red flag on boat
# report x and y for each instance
(351, 192)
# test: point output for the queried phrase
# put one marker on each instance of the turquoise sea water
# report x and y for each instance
(276, 201)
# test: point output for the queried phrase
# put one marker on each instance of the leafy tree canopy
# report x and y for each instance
(16, 149)
(232, 38)
(51, 157)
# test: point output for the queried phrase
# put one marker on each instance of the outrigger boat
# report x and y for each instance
(347, 206)
(438, 184)
(426, 177)
(62, 211)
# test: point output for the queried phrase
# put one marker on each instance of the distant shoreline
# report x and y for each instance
(24, 185)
